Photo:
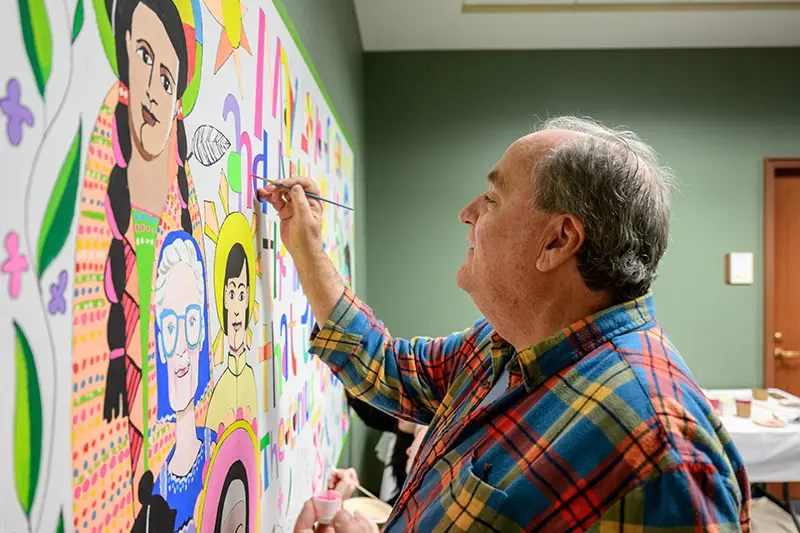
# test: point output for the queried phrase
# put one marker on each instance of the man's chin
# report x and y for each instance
(462, 278)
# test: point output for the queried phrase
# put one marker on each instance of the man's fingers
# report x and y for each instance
(274, 196)
(299, 198)
(307, 184)
(343, 522)
(305, 522)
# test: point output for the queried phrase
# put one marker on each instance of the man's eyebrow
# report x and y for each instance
(496, 179)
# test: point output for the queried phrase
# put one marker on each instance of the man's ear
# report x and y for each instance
(563, 237)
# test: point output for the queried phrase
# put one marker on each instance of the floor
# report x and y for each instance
(769, 518)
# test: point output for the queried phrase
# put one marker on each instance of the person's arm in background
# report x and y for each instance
(408, 378)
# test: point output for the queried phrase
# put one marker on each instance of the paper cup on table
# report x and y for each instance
(744, 407)
(327, 503)
(761, 395)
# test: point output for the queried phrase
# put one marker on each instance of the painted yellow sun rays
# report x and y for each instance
(229, 15)
(212, 231)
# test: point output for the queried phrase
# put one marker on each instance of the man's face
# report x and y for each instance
(503, 231)
(237, 296)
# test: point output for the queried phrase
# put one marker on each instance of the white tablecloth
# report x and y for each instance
(769, 454)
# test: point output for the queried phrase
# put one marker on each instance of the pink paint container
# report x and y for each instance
(327, 503)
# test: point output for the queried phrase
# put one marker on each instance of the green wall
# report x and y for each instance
(437, 122)
(329, 31)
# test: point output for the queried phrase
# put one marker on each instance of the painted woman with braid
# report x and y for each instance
(136, 190)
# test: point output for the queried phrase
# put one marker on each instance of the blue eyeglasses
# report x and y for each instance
(169, 322)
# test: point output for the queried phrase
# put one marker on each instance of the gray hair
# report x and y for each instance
(616, 185)
(176, 252)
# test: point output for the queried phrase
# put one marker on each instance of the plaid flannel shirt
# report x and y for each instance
(602, 427)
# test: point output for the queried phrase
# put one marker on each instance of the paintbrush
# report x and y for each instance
(309, 194)
(359, 487)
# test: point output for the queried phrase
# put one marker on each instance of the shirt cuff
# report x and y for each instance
(341, 335)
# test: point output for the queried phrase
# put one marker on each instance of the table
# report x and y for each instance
(770, 455)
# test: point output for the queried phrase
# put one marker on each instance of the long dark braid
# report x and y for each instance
(124, 374)
(183, 182)
(119, 201)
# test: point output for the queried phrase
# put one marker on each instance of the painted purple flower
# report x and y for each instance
(15, 112)
(57, 302)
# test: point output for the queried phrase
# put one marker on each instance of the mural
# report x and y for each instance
(161, 377)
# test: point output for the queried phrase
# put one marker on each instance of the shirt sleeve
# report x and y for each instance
(372, 416)
(686, 497)
(407, 378)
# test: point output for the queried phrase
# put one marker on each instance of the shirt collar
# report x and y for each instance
(541, 361)
(236, 362)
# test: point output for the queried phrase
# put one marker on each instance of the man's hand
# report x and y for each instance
(301, 233)
(343, 522)
(344, 482)
(301, 216)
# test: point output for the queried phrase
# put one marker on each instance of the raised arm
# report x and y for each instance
(407, 378)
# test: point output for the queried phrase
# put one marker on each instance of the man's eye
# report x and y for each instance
(230, 295)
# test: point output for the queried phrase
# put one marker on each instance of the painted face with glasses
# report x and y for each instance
(180, 327)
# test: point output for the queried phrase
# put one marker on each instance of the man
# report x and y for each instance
(566, 408)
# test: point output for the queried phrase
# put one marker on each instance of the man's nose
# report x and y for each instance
(467, 215)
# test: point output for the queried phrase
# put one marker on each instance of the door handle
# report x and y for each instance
(780, 353)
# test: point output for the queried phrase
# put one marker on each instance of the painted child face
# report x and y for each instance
(153, 71)
(181, 327)
(237, 296)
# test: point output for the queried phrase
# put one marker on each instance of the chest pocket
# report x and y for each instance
(469, 504)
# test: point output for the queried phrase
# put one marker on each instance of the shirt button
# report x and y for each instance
(486, 384)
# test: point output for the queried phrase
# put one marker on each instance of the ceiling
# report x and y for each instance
(394, 25)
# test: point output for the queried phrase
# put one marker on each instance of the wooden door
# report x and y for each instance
(782, 279)
(782, 275)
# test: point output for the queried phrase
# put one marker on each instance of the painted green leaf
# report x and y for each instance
(60, 526)
(77, 22)
(192, 90)
(38, 40)
(106, 33)
(235, 171)
(27, 424)
(61, 207)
